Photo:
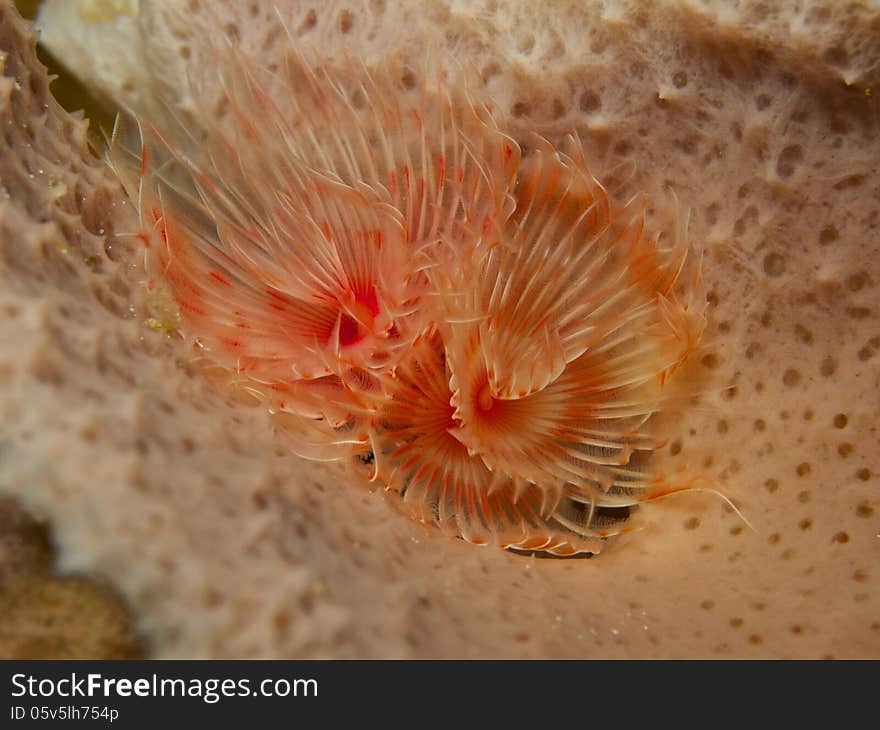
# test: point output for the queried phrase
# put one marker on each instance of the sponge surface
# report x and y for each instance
(764, 123)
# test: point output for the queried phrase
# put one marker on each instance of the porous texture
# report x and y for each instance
(55, 208)
(760, 117)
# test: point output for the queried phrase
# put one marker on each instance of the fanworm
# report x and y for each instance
(490, 331)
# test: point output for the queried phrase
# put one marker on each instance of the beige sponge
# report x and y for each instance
(760, 118)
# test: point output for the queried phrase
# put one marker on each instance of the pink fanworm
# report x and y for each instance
(495, 335)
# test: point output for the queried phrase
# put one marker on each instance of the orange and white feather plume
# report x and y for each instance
(374, 258)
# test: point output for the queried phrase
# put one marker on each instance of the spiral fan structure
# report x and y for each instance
(492, 332)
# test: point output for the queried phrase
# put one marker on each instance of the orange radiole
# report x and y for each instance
(495, 334)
